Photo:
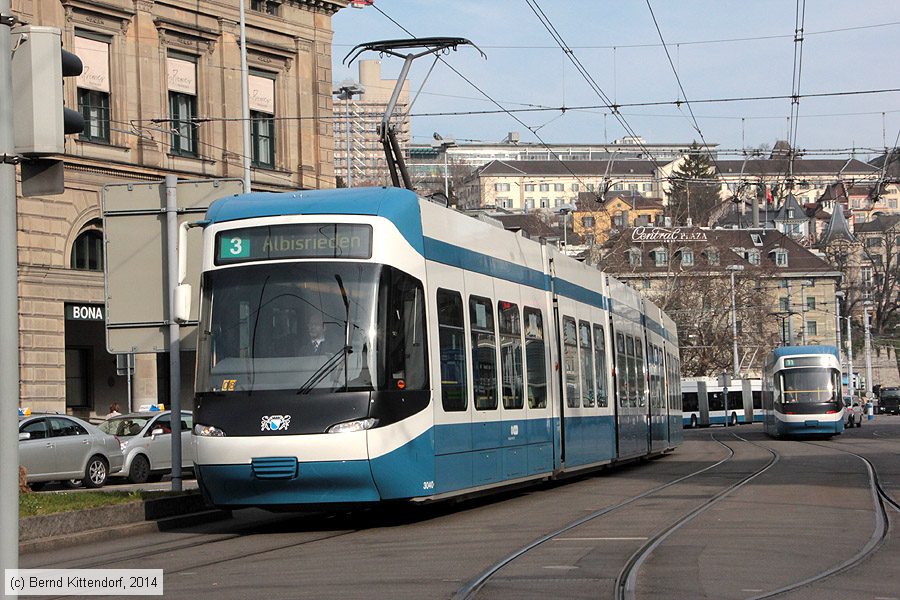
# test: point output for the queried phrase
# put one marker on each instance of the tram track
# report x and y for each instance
(471, 589)
(880, 498)
(626, 582)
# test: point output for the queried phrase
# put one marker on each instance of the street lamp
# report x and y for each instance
(345, 91)
(733, 269)
(837, 316)
(444, 144)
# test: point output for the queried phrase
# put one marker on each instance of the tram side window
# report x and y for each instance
(639, 372)
(690, 401)
(735, 400)
(632, 371)
(405, 351)
(484, 353)
(570, 358)
(536, 362)
(653, 369)
(757, 400)
(600, 365)
(716, 401)
(510, 354)
(587, 359)
(621, 371)
(453, 352)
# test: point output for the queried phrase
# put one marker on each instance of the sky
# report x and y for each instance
(725, 49)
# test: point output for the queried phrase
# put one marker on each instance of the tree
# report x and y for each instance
(694, 192)
(881, 252)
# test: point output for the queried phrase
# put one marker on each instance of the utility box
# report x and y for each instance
(37, 91)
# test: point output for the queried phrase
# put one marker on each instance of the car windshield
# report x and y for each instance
(126, 426)
(813, 385)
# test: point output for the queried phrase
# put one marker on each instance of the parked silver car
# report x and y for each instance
(146, 441)
(62, 448)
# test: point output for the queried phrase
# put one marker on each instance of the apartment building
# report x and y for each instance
(161, 94)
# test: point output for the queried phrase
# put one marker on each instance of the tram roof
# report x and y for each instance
(798, 350)
(400, 206)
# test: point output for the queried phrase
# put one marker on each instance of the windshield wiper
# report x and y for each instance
(327, 367)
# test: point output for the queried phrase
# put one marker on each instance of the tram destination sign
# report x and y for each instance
(308, 240)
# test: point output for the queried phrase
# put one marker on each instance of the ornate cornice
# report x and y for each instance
(328, 7)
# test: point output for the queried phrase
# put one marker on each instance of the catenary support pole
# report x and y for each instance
(174, 328)
(9, 313)
(245, 101)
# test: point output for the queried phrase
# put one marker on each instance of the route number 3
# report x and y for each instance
(235, 248)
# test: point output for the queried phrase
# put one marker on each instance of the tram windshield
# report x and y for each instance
(311, 327)
(815, 385)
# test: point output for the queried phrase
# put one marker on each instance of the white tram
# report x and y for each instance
(458, 357)
(802, 392)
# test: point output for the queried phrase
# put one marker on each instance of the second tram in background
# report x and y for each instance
(704, 402)
(802, 392)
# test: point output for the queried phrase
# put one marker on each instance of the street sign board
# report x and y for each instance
(136, 266)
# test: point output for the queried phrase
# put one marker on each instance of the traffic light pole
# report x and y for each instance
(9, 311)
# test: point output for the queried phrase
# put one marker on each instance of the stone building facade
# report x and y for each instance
(161, 94)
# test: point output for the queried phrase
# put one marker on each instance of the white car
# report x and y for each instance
(61, 448)
(146, 440)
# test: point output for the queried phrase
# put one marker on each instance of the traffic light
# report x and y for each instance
(39, 65)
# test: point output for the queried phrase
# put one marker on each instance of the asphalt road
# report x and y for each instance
(773, 513)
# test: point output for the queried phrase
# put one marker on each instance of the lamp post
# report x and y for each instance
(803, 285)
(444, 144)
(564, 211)
(837, 317)
(868, 343)
(345, 91)
(850, 387)
(734, 333)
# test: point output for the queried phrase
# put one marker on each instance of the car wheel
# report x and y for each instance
(96, 472)
(140, 469)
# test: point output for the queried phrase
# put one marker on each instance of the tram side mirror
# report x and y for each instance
(182, 309)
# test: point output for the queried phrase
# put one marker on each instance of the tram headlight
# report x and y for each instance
(351, 426)
(208, 431)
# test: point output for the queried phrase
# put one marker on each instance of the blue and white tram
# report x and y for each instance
(802, 391)
(461, 358)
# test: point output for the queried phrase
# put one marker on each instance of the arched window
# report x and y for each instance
(87, 251)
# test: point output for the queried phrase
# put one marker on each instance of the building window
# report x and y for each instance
(812, 328)
(810, 303)
(262, 119)
(661, 257)
(587, 222)
(621, 219)
(873, 242)
(87, 251)
(262, 139)
(94, 107)
(618, 187)
(78, 377)
(590, 187)
(529, 203)
(559, 187)
(501, 187)
(790, 213)
(545, 202)
(648, 187)
(753, 257)
(545, 187)
(635, 259)
(632, 187)
(559, 202)
(182, 84)
(575, 187)
(783, 305)
(265, 6)
(93, 85)
(645, 284)
(687, 258)
(712, 256)
(529, 187)
(781, 258)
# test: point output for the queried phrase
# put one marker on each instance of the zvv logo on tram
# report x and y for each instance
(275, 423)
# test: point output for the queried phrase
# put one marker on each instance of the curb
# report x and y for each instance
(44, 532)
